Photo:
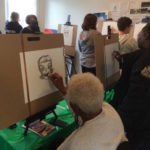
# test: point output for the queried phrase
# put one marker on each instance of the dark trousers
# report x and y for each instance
(140, 144)
(91, 70)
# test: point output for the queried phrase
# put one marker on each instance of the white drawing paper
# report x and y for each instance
(137, 29)
(112, 66)
(40, 64)
(112, 24)
(68, 34)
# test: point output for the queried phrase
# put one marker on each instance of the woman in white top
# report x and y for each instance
(100, 127)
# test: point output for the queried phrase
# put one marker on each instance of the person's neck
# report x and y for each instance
(87, 117)
(121, 33)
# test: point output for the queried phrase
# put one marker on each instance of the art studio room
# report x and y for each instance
(75, 74)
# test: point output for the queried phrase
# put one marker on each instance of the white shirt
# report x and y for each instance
(127, 44)
(104, 132)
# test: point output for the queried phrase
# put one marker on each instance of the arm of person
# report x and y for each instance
(58, 82)
(136, 102)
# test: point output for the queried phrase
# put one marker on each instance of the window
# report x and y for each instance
(23, 7)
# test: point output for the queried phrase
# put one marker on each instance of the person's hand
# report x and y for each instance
(113, 30)
(117, 56)
(58, 82)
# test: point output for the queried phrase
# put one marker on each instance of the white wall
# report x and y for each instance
(41, 13)
(57, 11)
(2, 15)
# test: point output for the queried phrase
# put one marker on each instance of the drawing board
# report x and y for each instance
(70, 36)
(42, 57)
(107, 68)
(137, 29)
(12, 106)
(113, 26)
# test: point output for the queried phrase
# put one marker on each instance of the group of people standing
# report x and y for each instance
(100, 126)
(132, 91)
(13, 26)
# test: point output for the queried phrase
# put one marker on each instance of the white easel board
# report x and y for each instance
(107, 67)
(112, 24)
(70, 35)
(137, 29)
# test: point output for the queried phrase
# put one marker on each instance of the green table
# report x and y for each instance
(14, 139)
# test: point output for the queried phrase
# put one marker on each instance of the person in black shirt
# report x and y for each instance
(133, 98)
(13, 26)
(33, 26)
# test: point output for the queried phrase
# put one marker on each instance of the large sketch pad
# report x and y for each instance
(68, 34)
(112, 66)
(107, 68)
(105, 25)
(137, 29)
(38, 81)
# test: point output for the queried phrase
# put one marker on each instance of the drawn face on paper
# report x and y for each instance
(45, 66)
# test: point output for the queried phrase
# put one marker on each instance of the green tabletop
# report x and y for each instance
(13, 139)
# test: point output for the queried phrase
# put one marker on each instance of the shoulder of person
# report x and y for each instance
(146, 72)
(84, 35)
(92, 31)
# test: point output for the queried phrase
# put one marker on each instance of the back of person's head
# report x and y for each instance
(14, 16)
(29, 19)
(89, 22)
(144, 37)
(123, 23)
(86, 92)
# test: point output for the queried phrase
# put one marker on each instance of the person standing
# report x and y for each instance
(86, 44)
(127, 42)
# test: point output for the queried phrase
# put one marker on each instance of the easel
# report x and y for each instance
(51, 100)
(107, 68)
(70, 49)
(70, 61)
(13, 95)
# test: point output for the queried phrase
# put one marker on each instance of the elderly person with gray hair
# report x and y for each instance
(100, 127)
(13, 26)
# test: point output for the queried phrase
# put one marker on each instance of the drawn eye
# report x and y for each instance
(41, 67)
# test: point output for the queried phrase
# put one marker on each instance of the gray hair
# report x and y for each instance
(14, 16)
(86, 91)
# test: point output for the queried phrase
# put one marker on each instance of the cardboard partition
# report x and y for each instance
(12, 106)
(107, 68)
(43, 55)
(137, 29)
(70, 35)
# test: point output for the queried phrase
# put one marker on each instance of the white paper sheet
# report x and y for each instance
(137, 29)
(112, 66)
(112, 24)
(38, 64)
(68, 34)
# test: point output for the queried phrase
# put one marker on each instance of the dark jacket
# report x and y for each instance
(134, 108)
(122, 85)
(13, 27)
(34, 30)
